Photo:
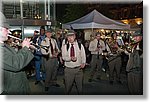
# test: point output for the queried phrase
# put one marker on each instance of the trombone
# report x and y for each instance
(37, 46)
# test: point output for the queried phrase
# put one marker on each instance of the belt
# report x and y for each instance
(47, 56)
(97, 54)
(73, 67)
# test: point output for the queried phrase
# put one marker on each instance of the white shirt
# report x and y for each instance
(80, 54)
(93, 47)
(46, 42)
(120, 41)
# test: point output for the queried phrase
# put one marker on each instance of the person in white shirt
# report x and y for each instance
(50, 60)
(97, 46)
(74, 58)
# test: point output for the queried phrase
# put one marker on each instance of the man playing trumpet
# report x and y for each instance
(14, 77)
(114, 60)
(50, 60)
(134, 68)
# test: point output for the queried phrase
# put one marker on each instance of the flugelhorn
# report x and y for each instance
(129, 46)
(37, 46)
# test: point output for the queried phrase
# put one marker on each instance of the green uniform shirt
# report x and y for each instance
(14, 78)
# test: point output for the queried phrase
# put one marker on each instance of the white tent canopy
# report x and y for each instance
(95, 20)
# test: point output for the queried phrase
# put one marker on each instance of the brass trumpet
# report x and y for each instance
(37, 46)
(129, 46)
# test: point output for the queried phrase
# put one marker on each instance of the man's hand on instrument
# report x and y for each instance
(100, 46)
(55, 55)
(97, 49)
(26, 42)
(32, 47)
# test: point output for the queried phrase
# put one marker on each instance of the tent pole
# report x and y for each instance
(92, 31)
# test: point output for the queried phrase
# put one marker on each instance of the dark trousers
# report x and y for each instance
(115, 65)
(51, 67)
(73, 75)
(96, 63)
(135, 83)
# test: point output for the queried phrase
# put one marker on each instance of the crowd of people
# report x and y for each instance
(49, 54)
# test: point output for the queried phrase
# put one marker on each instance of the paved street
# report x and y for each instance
(95, 87)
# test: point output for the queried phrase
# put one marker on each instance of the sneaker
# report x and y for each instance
(119, 82)
(46, 88)
(103, 69)
(111, 82)
(56, 85)
(32, 74)
(37, 82)
(98, 78)
(107, 75)
(90, 80)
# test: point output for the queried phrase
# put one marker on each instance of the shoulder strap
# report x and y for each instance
(79, 44)
(105, 45)
(66, 40)
(67, 45)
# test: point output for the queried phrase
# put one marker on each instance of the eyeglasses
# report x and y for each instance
(4, 29)
(98, 36)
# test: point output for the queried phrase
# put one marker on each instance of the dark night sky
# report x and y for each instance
(61, 8)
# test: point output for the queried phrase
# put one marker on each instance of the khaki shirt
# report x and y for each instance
(15, 79)
(46, 42)
(93, 47)
(80, 54)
